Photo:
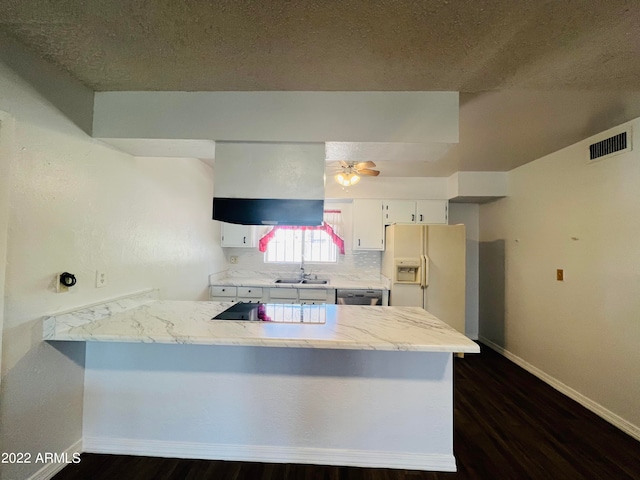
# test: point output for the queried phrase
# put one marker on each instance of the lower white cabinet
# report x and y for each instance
(250, 294)
(223, 293)
(283, 295)
(307, 296)
(314, 296)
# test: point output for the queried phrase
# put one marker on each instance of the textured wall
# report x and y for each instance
(562, 212)
(78, 205)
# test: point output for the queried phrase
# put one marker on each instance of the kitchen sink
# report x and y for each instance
(288, 280)
(315, 282)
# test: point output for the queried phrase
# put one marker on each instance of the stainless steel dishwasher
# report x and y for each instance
(358, 296)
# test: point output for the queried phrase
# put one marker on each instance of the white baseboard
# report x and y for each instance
(270, 454)
(608, 415)
(49, 470)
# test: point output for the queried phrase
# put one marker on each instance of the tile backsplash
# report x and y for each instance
(351, 266)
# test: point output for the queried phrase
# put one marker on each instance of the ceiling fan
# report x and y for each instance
(351, 171)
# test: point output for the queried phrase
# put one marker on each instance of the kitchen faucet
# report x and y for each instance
(302, 274)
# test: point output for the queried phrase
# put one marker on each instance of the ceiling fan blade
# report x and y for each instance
(366, 171)
(367, 164)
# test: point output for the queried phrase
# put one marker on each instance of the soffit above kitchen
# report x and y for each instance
(533, 76)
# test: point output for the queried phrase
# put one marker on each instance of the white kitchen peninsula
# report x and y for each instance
(369, 386)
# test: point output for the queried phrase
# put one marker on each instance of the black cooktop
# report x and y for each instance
(271, 312)
(244, 311)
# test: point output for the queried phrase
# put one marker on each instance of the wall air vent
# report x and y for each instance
(610, 146)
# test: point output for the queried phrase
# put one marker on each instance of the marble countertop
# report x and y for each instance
(270, 282)
(144, 319)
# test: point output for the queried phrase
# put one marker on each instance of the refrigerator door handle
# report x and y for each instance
(424, 277)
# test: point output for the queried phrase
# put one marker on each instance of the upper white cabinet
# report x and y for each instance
(399, 211)
(432, 211)
(368, 225)
(412, 211)
(234, 235)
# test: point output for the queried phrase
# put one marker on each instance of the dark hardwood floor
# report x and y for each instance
(508, 425)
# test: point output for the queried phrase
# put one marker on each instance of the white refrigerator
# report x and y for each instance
(426, 267)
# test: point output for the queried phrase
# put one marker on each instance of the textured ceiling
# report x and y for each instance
(514, 61)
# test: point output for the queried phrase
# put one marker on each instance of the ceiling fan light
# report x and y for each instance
(347, 179)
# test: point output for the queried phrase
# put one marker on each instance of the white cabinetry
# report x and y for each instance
(432, 211)
(283, 295)
(399, 211)
(249, 294)
(412, 211)
(226, 293)
(223, 293)
(313, 296)
(233, 235)
(368, 225)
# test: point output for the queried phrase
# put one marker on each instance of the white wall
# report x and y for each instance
(422, 188)
(420, 117)
(77, 205)
(468, 215)
(584, 332)
(299, 405)
(6, 143)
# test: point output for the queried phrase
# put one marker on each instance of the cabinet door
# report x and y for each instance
(399, 211)
(222, 293)
(432, 211)
(368, 226)
(250, 294)
(283, 295)
(233, 235)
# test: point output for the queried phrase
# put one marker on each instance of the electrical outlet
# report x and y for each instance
(101, 279)
(233, 259)
(560, 275)
(60, 288)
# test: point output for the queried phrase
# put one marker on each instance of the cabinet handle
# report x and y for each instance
(358, 242)
(413, 217)
(420, 217)
(244, 239)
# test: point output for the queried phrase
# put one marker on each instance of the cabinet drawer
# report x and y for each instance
(313, 294)
(220, 291)
(249, 292)
(284, 293)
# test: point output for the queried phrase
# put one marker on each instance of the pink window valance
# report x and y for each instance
(335, 238)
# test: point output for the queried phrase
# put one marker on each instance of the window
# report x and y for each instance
(314, 244)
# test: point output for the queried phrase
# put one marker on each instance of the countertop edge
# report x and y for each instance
(282, 343)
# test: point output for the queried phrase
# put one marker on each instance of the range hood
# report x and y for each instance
(269, 183)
